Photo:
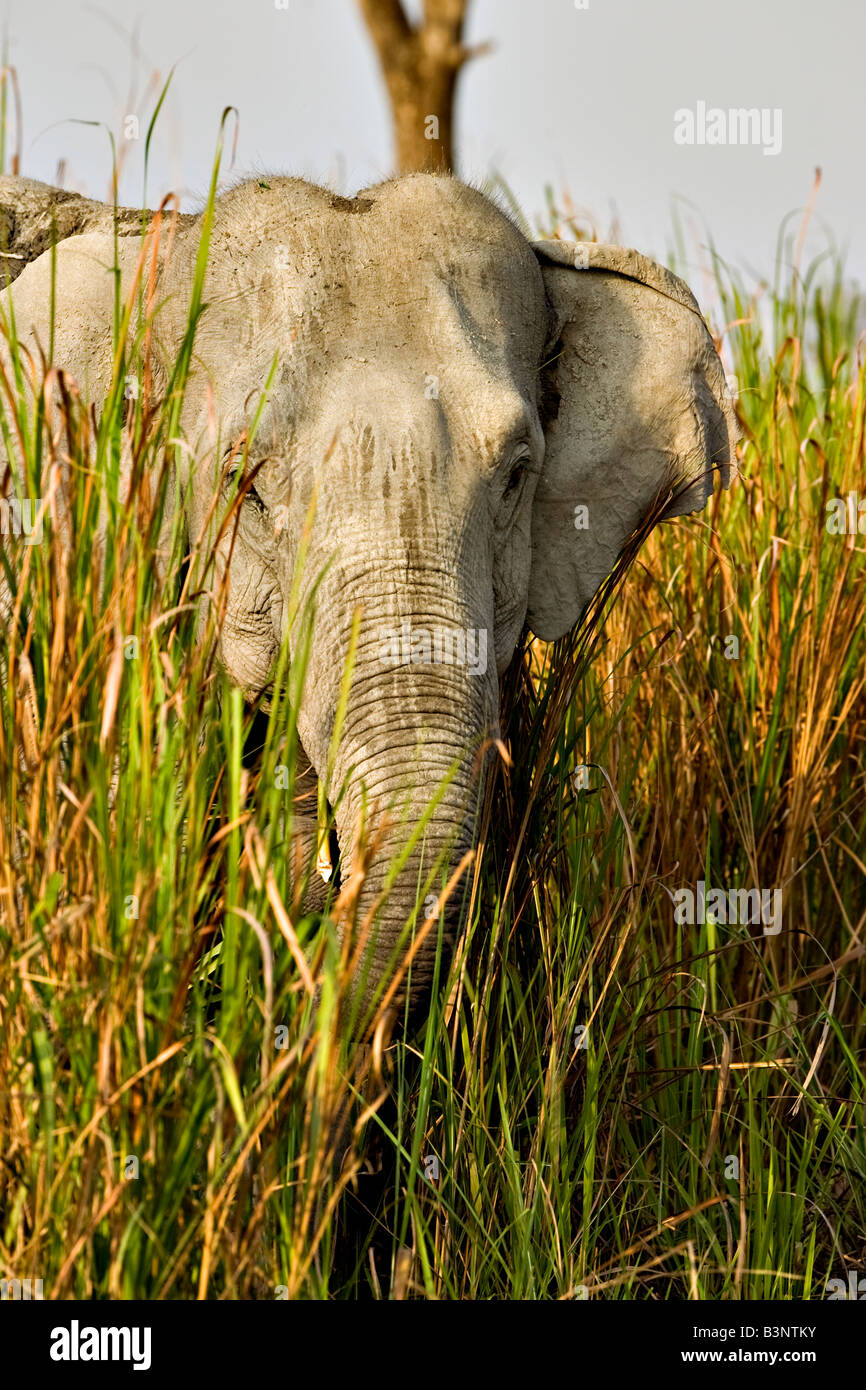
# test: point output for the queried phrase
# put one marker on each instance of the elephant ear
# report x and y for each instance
(639, 418)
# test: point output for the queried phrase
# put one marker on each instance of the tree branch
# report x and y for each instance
(389, 28)
(421, 65)
(448, 15)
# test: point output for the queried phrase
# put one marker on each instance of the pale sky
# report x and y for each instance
(583, 99)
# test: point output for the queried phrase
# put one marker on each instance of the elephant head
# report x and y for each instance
(462, 432)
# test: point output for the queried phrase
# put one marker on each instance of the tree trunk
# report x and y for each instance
(420, 67)
(34, 215)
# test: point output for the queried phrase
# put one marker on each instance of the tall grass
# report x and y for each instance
(603, 1102)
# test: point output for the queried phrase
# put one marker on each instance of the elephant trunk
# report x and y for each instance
(422, 699)
(387, 902)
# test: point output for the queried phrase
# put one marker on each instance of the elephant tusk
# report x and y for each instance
(324, 867)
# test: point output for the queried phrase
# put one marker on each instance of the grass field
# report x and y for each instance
(605, 1102)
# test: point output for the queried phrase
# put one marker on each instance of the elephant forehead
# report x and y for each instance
(410, 358)
(434, 307)
(427, 264)
(420, 292)
(377, 413)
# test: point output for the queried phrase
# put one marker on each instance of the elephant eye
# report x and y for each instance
(252, 499)
(249, 496)
(515, 478)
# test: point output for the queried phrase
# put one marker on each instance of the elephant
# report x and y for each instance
(462, 433)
